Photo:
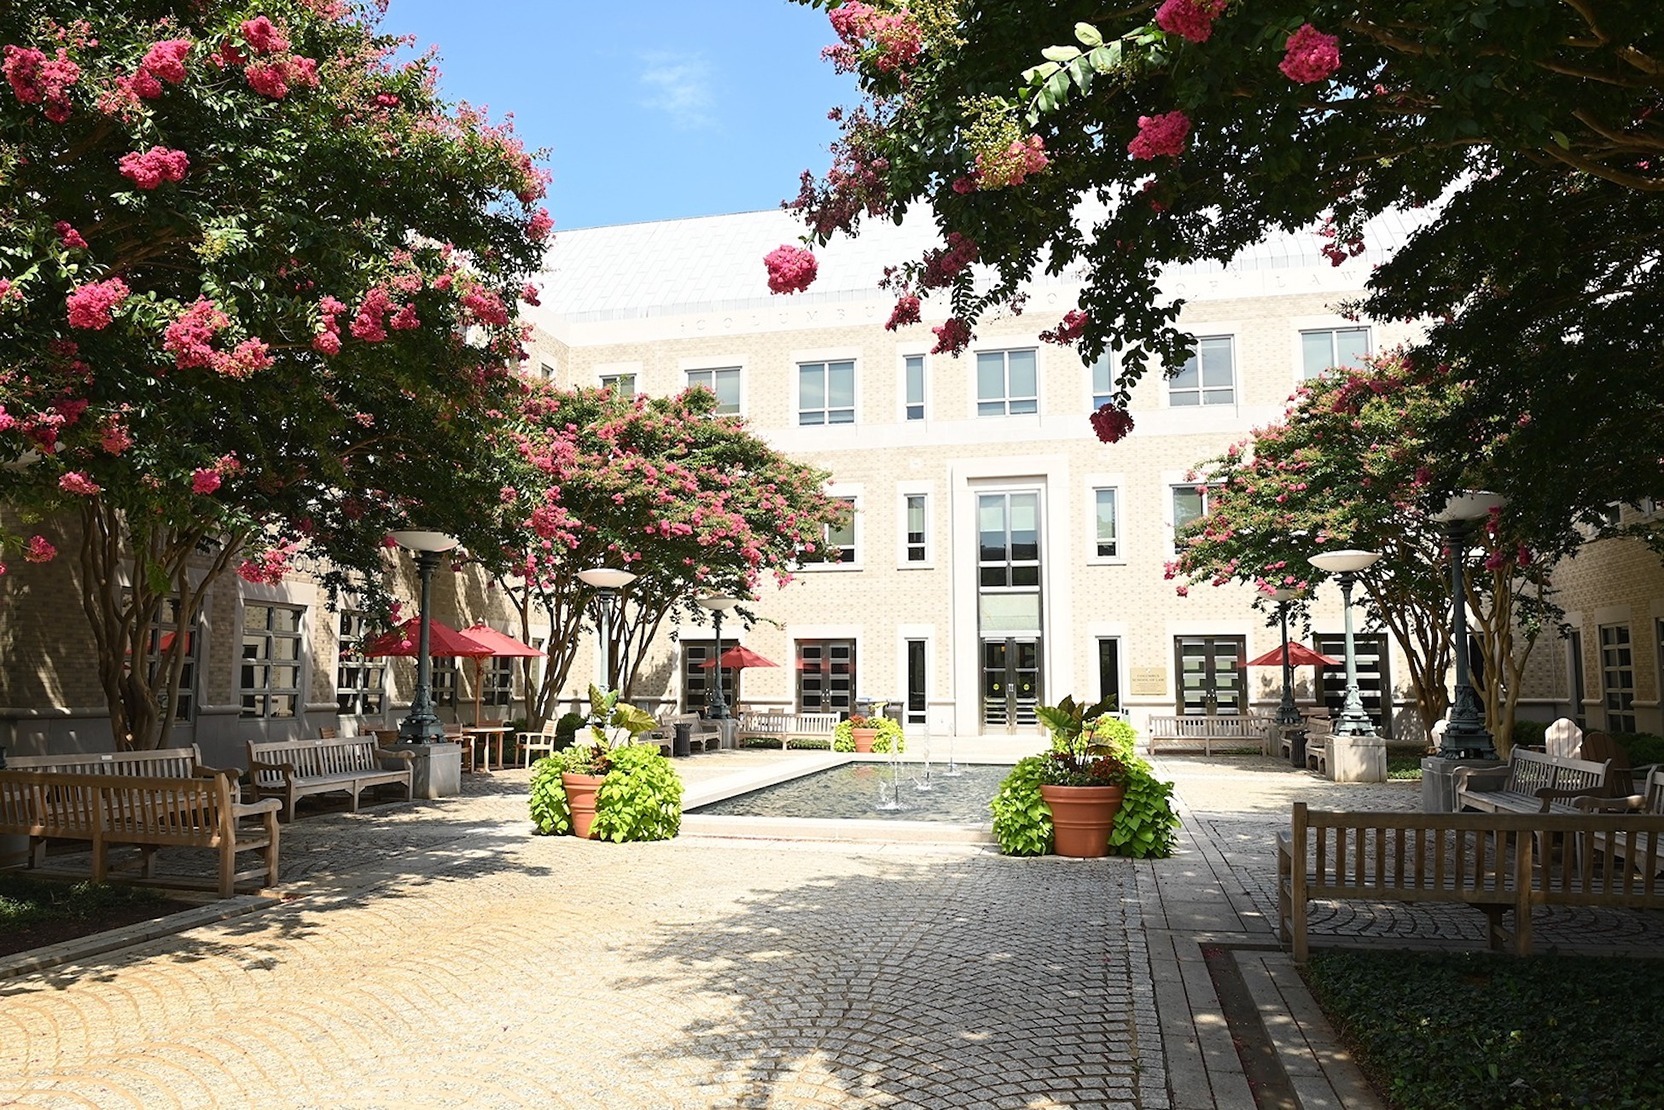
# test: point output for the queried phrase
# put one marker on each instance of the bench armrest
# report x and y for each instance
(1489, 779)
(389, 753)
(287, 770)
(1590, 803)
(1549, 793)
(202, 770)
(249, 809)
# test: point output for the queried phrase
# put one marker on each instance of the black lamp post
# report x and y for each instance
(1465, 735)
(607, 583)
(1346, 564)
(1287, 714)
(422, 725)
(716, 706)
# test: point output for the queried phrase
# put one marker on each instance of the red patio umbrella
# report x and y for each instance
(1299, 655)
(737, 658)
(497, 644)
(443, 641)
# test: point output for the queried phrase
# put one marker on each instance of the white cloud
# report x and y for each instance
(679, 86)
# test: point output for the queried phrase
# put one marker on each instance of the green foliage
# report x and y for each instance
(1146, 826)
(566, 729)
(1480, 1031)
(550, 814)
(1022, 821)
(1068, 718)
(608, 712)
(640, 799)
(1403, 766)
(25, 901)
(889, 733)
(1531, 734)
(1116, 734)
(1643, 748)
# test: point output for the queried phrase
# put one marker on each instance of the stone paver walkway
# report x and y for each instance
(434, 954)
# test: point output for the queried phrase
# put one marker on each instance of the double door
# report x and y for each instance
(1210, 672)
(825, 676)
(1010, 682)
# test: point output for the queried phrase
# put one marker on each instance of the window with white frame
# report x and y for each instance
(546, 371)
(914, 524)
(1208, 377)
(622, 384)
(359, 683)
(1189, 503)
(163, 634)
(1324, 349)
(1106, 511)
(913, 372)
(724, 382)
(826, 392)
(838, 541)
(1007, 383)
(1103, 380)
(499, 681)
(269, 679)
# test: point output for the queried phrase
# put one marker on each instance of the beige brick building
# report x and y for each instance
(1001, 555)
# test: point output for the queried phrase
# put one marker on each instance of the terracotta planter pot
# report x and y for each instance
(1082, 817)
(863, 738)
(580, 799)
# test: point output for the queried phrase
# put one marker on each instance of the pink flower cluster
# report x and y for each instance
(39, 551)
(190, 340)
(205, 480)
(952, 337)
(483, 305)
(78, 483)
(262, 36)
(894, 36)
(905, 312)
(328, 340)
(1111, 423)
(154, 166)
(164, 61)
(541, 223)
(90, 305)
(1191, 19)
(1068, 329)
(942, 265)
(37, 79)
(1011, 166)
(68, 236)
(790, 269)
(1310, 56)
(275, 78)
(1160, 135)
(267, 567)
(115, 438)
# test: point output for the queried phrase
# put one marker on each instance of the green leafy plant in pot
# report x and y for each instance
(1082, 781)
(605, 786)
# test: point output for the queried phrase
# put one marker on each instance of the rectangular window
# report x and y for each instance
(698, 679)
(1008, 539)
(826, 392)
(359, 683)
(917, 704)
(1109, 671)
(1208, 377)
(917, 549)
(724, 382)
(1617, 672)
(269, 683)
(1105, 518)
(622, 384)
(546, 371)
(442, 674)
(499, 681)
(1006, 383)
(1189, 503)
(1323, 350)
(1103, 378)
(915, 387)
(839, 541)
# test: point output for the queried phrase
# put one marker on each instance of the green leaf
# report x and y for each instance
(1088, 35)
(1061, 53)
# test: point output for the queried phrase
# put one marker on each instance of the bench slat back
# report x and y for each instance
(313, 758)
(163, 762)
(149, 808)
(1530, 771)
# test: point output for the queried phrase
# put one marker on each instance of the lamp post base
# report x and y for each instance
(435, 770)
(1358, 757)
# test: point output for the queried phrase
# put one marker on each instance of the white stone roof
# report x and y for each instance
(715, 263)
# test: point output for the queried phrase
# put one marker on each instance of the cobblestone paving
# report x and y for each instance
(483, 967)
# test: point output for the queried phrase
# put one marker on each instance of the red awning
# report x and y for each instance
(500, 643)
(443, 640)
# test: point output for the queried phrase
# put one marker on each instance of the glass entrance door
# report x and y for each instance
(1010, 682)
(825, 676)
(1210, 675)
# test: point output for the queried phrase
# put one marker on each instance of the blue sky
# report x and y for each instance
(650, 109)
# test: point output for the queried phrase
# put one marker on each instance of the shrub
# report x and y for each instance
(809, 744)
(640, 799)
(550, 814)
(1529, 734)
(1146, 827)
(1022, 821)
(567, 727)
(1642, 748)
(889, 732)
(1474, 1031)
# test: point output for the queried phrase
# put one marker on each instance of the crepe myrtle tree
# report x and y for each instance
(1109, 142)
(258, 288)
(1352, 465)
(688, 500)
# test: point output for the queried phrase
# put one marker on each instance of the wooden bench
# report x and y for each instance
(1232, 730)
(703, 735)
(1649, 801)
(149, 811)
(181, 763)
(1531, 782)
(1490, 861)
(292, 769)
(787, 726)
